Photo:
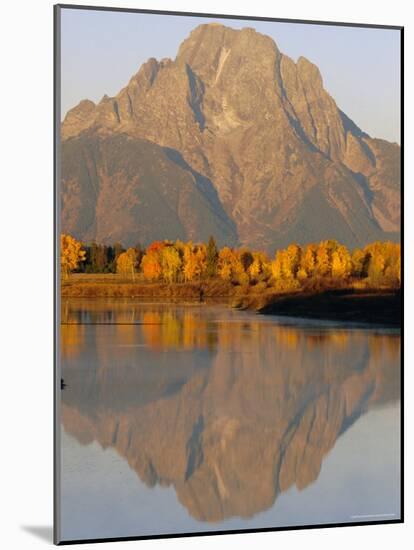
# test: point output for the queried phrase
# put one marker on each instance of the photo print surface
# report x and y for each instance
(228, 198)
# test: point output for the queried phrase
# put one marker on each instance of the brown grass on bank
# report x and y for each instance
(255, 297)
(115, 286)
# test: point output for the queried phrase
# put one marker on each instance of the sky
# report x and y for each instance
(101, 50)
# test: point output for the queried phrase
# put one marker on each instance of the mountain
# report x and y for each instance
(232, 138)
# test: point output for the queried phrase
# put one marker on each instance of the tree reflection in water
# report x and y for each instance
(228, 407)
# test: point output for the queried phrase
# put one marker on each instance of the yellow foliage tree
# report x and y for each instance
(189, 262)
(277, 265)
(201, 259)
(125, 263)
(383, 263)
(255, 268)
(315, 266)
(341, 262)
(376, 268)
(170, 263)
(308, 261)
(359, 263)
(226, 263)
(292, 260)
(286, 263)
(71, 254)
(323, 260)
(262, 262)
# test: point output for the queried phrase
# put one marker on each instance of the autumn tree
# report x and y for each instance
(277, 265)
(286, 262)
(226, 262)
(316, 266)
(71, 254)
(307, 266)
(156, 246)
(383, 263)
(170, 263)
(125, 263)
(392, 272)
(376, 268)
(292, 260)
(151, 266)
(341, 262)
(360, 260)
(151, 261)
(259, 269)
(255, 267)
(194, 261)
(323, 259)
(240, 259)
(190, 263)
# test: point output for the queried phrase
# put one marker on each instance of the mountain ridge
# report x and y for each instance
(260, 131)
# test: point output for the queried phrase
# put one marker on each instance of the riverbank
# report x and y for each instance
(110, 287)
(374, 306)
(378, 308)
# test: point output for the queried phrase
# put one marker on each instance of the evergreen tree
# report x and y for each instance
(212, 258)
(98, 255)
(139, 255)
(246, 259)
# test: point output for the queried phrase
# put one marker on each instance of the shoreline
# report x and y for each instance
(196, 291)
(381, 307)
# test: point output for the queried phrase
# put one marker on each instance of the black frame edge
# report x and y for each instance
(229, 16)
(56, 273)
(402, 208)
(231, 532)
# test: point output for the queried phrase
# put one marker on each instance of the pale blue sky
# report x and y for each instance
(360, 67)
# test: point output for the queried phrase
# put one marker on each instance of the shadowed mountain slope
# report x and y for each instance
(271, 157)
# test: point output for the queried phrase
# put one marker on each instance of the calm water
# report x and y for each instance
(197, 418)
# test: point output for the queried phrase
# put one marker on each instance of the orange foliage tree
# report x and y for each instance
(151, 261)
(315, 265)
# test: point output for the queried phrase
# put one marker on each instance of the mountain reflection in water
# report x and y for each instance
(229, 408)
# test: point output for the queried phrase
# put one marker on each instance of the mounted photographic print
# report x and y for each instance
(228, 274)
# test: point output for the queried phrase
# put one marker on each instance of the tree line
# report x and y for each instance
(325, 263)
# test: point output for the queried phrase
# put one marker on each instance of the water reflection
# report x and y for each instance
(229, 408)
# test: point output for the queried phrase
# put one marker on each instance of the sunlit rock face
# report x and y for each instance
(232, 138)
(234, 414)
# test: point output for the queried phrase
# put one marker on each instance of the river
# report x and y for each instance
(189, 418)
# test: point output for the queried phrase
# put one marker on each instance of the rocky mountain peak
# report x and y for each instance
(263, 135)
(214, 51)
(309, 72)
